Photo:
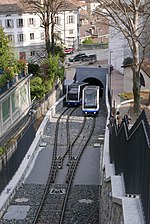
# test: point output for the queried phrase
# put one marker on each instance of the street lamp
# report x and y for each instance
(110, 67)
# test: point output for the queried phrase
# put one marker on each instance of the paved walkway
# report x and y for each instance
(117, 87)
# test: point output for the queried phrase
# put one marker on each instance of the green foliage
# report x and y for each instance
(61, 73)
(51, 68)
(7, 64)
(5, 53)
(3, 80)
(59, 51)
(2, 150)
(128, 61)
(20, 64)
(33, 68)
(88, 41)
(37, 88)
(7, 75)
(9, 72)
(50, 72)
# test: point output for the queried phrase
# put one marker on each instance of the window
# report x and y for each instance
(22, 55)
(10, 37)
(9, 23)
(31, 22)
(21, 37)
(70, 31)
(6, 109)
(42, 36)
(32, 53)
(71, 19)
(15, 101)
(19, 22)
(23, 95)
(56, 20)
(31, 36)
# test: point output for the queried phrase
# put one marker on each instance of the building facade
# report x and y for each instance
(25, 31)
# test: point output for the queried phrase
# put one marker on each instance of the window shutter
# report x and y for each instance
(12, 22)
(24, 38)
(6, 23)
(18, 39)
(34, 21)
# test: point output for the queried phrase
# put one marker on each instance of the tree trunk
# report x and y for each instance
(136, 91)
(52, 33)
(47, 39)
(136, 63)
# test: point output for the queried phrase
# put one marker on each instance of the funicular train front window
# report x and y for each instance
(90, 100)
(73, 93)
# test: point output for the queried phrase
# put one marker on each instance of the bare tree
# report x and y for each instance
(47, 10)
(130, 17)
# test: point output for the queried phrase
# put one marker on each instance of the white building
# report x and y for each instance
(118, 49)
(24, 29)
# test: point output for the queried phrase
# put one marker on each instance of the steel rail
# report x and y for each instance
(73, 167)
(51, 170)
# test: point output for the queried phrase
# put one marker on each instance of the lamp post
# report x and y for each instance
(110, 67)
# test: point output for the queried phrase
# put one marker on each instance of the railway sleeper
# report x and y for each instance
(59, 165)
(59, 162)
(72, 160)
(53, 175)
(69, 174)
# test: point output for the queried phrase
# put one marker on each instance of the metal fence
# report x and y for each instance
(23, 144)
(130, 153)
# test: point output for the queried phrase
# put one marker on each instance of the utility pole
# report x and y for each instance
(110, 68)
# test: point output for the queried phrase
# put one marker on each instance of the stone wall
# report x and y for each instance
(47, 103)
(110, 212)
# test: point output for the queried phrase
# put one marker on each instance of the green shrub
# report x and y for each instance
(3, 80)
(2, 150)
(37, 88)
(33, 69)
(88, 41)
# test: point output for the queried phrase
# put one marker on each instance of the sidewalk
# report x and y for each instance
(125, 108)
(116, 86)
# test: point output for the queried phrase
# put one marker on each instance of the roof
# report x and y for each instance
(16, 6)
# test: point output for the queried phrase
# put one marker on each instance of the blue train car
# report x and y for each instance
(74, 93)
(90, 100)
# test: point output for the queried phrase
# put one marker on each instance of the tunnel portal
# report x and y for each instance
(92, 75)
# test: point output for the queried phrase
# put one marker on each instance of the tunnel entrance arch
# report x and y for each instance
(92, 75)
(95, 82)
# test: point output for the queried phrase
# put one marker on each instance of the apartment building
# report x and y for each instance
(24, 29)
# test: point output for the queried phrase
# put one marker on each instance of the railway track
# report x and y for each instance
(52, 213)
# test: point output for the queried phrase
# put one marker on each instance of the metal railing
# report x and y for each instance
(130, 153)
